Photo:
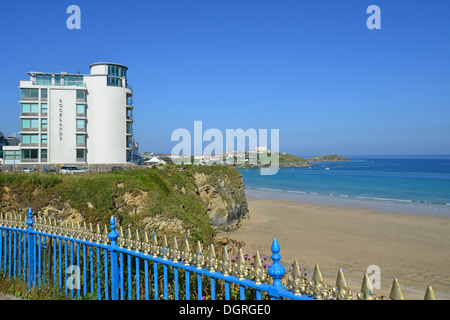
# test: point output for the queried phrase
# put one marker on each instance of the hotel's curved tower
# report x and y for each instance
(77, 119)
(109, 127)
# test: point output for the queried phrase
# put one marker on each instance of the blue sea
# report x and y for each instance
(412, 184)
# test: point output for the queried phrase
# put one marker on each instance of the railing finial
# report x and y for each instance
(113, 235)
(276, 270)
(30, 219)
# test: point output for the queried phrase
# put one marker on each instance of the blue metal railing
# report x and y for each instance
(80, 263)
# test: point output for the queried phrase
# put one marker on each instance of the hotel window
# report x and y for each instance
(73, 80)
(114, 82)
(44, 94)
(57, 80)
(44, 109)
(12, 155)
(117, 71)
(129, 128)
(81, 95)
(81, 139)
(129, 101)
(30, 139)
(43, 154)
(43, 80)
(81, 154)
(129, 142)
(30, 94)
(44, 139)
(44, 124)
(30, 154)
(30, 108)
(30, 123)
(81, 125)
(81, 109)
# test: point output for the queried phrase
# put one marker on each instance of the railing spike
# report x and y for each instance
(211, 261)
(137, 242)
(120, 239)
(396, 292)
(105, 235)
(90, 232)
(226, 265)
(186, 255)
(258, 271)
(165, 248)
(84, 231)
(429, 295)
(198, 257)
(98, 234)
(129, 242)
(317, 275)
(366, 290)
(317, 288)
(146, 245)
(296, 280)
(241, 269)
(341, 291)
(154, 249)
(174, 252)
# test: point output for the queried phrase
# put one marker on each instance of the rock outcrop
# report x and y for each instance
(224, 199)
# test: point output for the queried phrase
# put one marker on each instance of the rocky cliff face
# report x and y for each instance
(224, 199)
(192, 201)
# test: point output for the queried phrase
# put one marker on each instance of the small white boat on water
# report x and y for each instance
(327, 168)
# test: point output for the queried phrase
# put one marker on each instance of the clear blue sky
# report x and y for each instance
(311, 69)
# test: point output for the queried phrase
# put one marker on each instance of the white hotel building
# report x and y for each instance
(76, 119)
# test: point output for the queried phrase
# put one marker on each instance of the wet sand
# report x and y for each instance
(414, 248)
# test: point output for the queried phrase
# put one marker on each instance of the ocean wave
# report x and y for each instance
(355, 197)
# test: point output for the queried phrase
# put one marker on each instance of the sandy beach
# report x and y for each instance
(414, 248)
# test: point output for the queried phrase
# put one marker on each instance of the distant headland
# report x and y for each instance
(289, 160)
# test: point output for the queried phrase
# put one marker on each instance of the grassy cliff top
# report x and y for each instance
(169, 192)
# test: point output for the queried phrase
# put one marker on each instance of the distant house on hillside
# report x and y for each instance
(155, 161)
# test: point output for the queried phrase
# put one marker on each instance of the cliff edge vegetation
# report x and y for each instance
(192, 201)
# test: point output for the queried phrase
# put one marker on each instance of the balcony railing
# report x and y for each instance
(59, 83)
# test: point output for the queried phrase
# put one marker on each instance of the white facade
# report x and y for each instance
(73, 118)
